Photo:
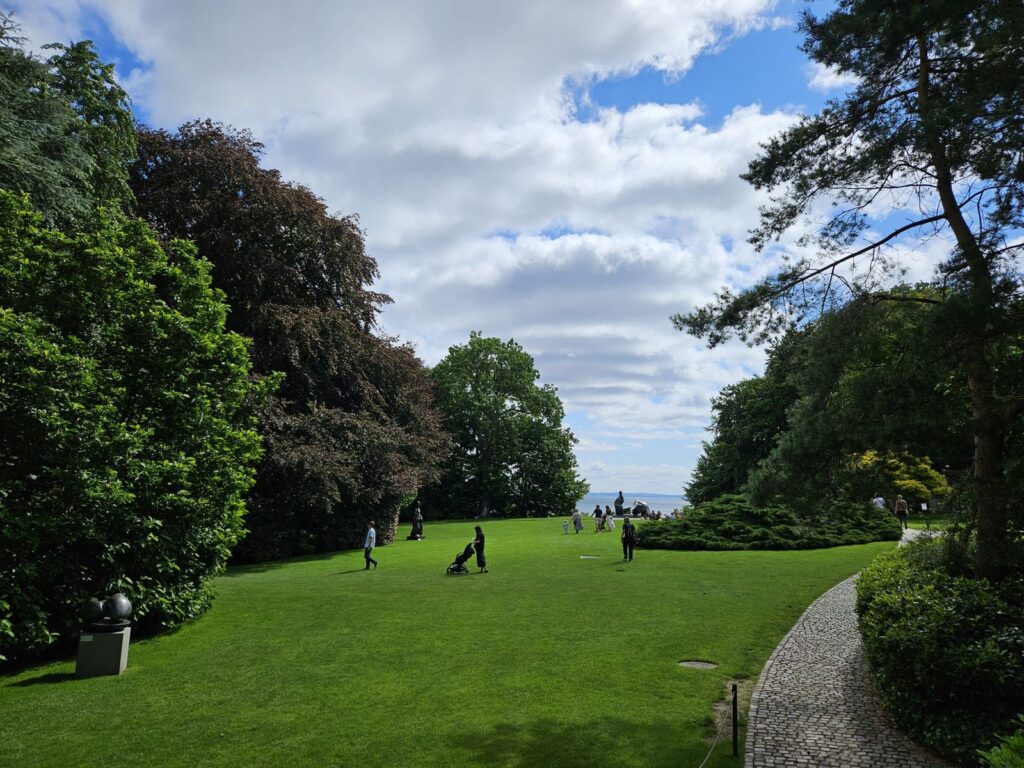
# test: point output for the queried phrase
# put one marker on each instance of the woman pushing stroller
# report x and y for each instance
(477, 545)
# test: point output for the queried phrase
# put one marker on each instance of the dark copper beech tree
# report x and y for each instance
(352, 433)
(927, 145)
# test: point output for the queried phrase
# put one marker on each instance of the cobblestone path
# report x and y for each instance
(815, 703)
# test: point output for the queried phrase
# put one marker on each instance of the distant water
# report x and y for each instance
(658, 502)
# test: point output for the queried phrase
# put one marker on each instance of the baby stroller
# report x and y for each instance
(459, 564)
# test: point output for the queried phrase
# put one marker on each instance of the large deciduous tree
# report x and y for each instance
(931, 132)
(511, 453)
(127, 426)
(352, 433)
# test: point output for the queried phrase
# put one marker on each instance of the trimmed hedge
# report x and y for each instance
(732, 522)
(947, 651)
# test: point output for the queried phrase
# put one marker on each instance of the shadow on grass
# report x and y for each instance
(48, 678)
(243, 569)
(353, 570)
(568, 744)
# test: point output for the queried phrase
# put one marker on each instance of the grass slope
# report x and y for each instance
(548, 660)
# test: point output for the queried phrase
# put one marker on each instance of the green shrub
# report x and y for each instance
(733, 522)
(947, 651)
(1009, 753)
(127, 435)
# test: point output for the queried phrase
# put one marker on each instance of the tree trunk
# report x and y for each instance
(987, 421)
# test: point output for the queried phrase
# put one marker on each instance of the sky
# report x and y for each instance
(565, 174)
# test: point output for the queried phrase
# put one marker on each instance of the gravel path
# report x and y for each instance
(815, 703)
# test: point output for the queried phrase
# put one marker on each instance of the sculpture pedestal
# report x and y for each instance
(102, 653)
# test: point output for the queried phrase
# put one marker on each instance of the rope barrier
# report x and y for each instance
(715, 744)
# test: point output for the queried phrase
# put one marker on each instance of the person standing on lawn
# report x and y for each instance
(478, 545)
(368, 545)
(628, 539)
(577, 520)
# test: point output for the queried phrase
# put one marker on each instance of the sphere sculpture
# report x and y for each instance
(108, 615)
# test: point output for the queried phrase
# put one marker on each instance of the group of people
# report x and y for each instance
(603, 521)
(900, 508)
(370, 542)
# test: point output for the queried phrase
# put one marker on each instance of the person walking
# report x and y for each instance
(478, 545)
(577, 520)
(368, 545)
(628, 539)
(609, 518)
(900, 507)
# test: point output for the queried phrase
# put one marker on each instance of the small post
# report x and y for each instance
(735, 725)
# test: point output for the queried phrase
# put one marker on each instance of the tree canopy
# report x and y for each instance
(511, 454)
(932, 133)
(66, 129)
(855, 404)
(127, 426)
(352, 433)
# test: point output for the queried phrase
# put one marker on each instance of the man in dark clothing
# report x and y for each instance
(628, 539)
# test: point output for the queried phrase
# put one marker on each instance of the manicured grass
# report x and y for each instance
(935, 522)
(548, 660)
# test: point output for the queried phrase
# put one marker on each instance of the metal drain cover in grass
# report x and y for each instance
(697, 664)
(590, 557)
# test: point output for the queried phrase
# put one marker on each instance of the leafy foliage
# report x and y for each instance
(748, 418)
(127, 437)
(843, 408)
(511, 455)
(947, 651)
(732, 522)
(931, 132)
(1009, 753)
(66, 131)
(910, 476)
(353, 433)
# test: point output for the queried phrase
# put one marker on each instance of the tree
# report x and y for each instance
(867, 377)
(748, 418)
(127, 426)
(66, 129)
(511, 453)
(931, 129)
(352, 433)
(893, 473)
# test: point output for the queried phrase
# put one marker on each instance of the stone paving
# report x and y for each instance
(815, 703)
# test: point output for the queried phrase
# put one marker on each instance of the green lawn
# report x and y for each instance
(934, 522)
(548, 660)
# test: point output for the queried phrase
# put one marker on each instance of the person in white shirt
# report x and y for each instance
(368, 545)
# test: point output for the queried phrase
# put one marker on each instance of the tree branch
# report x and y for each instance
(832, 265)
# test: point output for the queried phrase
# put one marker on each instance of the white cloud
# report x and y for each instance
(446, 123)
(824, 78)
